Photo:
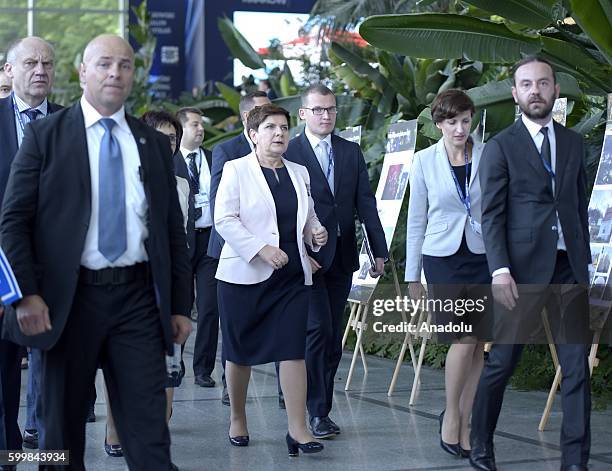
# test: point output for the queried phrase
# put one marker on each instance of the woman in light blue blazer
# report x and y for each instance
(444, 238)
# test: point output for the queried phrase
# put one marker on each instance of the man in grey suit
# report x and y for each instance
(534, 221)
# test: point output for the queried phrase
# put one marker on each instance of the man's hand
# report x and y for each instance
(33, 315)
(181, 328)
(504, 290)
(379, 269)
(319, 235)
(314, 264)
(273, 256)
(416, 290)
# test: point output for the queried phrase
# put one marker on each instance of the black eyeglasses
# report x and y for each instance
(318, 111)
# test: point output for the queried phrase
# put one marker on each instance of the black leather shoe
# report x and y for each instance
(294, 447)
(320, 428)
(30, 439)
(225, 397)
(333, 425)
(450, 448)
(91, 414)
(113, 450)
(205, 381)
(482, 456)
(575, 467)
(240, 440)
(281, 402)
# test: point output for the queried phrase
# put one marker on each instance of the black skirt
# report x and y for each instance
(460, 280)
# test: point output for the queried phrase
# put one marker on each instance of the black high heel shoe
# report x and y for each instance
(450, 448)
(116, 451)
(294, 447)
(240, 440)
(463, 452)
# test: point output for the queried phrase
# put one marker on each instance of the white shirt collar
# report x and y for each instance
(186, 152)
(22, 105)
(246, 136)
(92, 116)
(534, 128)
(314, 140)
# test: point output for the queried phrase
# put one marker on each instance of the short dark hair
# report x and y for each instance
(317, 88)
(449, 104)
(156, 119)
(181, 114)
(259, 114)
(246, 101)
(528, 60)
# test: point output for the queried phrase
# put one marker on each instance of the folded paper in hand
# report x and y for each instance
(9, 289)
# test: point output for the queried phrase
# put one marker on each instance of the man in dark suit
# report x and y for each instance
(534, 220)
(340, 187)
(231, 149)
(30, 66)
(193, 163)
(92, 227)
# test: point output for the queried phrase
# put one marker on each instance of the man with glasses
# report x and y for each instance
(340, 188)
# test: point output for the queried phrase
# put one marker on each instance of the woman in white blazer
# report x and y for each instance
(265, 214)
(444, 238)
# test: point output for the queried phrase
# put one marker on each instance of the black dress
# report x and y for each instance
(461, 276)
(266, 322)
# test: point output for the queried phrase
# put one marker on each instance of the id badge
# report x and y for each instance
(201, 200)
(476, 227)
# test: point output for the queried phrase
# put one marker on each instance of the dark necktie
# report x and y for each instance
(194, 180)
(32, 113)
(112, 228)
(545, 152)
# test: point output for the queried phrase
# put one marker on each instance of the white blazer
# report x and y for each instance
(245, 216)
(437, 219)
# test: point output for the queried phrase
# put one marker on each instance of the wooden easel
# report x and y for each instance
(593, 362)
(357, 321)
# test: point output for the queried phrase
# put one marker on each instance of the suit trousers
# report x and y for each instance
(118, 327)
(324, 334)
(575, 387)
(10, 389)
(207, 333)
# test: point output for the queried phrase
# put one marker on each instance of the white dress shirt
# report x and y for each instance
(538, 139)
(246, 135)
(205, 220)
(322, 156)
(136, 204)
(22, 120)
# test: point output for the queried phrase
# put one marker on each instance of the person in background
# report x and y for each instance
(234, 148)
(265, 86)
(30, 67)
(6, 84)
(193, 164)
(443, 236)
(266, 216)
(340, 187)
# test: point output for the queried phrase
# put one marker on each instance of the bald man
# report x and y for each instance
(30, 71)
(105, 275)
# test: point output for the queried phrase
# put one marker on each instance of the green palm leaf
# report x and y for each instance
(238, 45)
(593, 17)
(533, 13)
(447, 36)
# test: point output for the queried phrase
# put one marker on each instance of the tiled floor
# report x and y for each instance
(378, 432)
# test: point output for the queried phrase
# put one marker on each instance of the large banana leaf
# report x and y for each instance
(238, 45)
(448, 36)
(359, 66)
(392, 69)
(593, 16)
(533, 13)
(573, 60)
(231, 96)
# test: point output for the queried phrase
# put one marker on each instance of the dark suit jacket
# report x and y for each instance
(352, 194)
(8, 138)
(181, 170)
(47, 211)
(518, 206)
(229, 150)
